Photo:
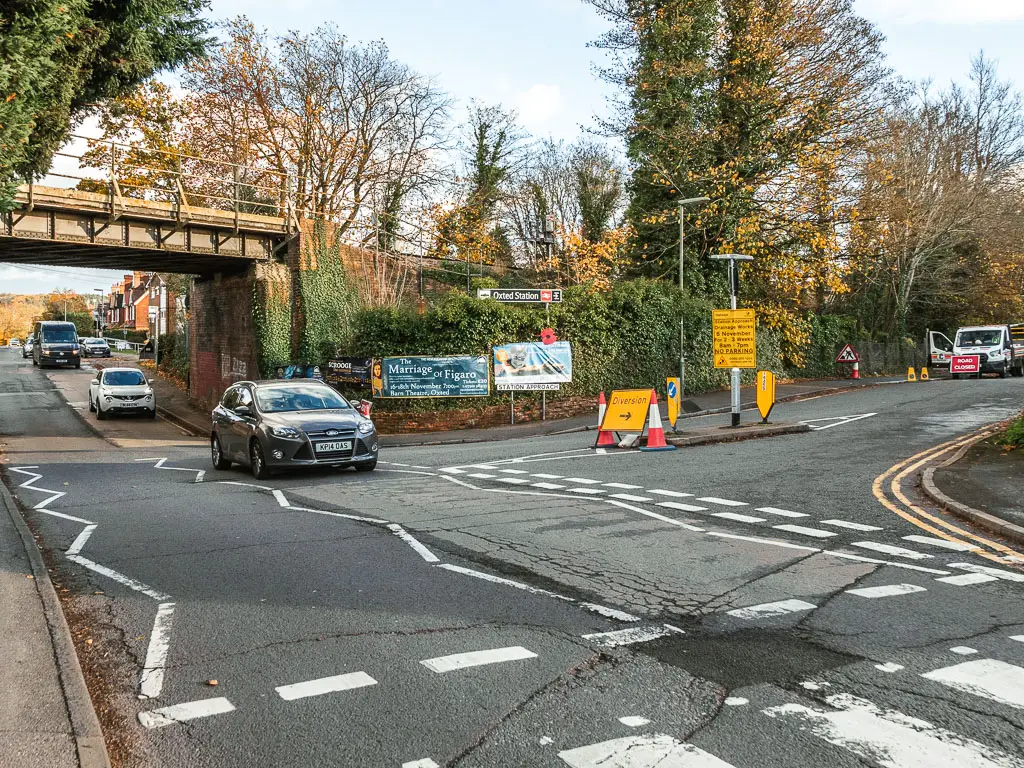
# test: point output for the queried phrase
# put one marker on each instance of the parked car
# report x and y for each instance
(994, 348)
(14, 343)
(56, 343)
(271, 425)
(26, 351)
(92, 347)
(121, 390)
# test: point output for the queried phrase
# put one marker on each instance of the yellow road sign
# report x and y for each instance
(672, 389)
(627, 410)
(765, 393)
(734, 333)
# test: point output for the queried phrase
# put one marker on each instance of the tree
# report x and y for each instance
(58, 58)
(65, 304)
(17, 314)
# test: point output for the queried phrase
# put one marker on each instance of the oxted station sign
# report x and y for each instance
(521, 295)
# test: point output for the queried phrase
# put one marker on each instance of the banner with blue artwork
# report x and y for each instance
(532, 365)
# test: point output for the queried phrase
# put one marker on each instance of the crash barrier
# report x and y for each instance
(633, 413)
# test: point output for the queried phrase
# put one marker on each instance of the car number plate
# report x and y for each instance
(129, 405)
(334, 447)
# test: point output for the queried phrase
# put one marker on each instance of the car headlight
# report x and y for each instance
(290, 432)
(109, 399)
(366, 427)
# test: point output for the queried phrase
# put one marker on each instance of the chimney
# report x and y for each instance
(128, 279)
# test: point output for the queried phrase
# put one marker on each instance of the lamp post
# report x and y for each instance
(682, 261)
(97, 321)
(732, 258)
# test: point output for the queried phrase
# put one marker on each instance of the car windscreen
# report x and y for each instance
(95, 342)
(60, 335)
(981, 338)
(298, 397)
(123, 378)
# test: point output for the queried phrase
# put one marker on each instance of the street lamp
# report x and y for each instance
(682, 258)
(97, 321)
(732, 258)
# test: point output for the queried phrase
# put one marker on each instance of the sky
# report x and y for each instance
(533, 56)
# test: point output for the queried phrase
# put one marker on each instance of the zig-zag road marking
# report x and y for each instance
(200, 473)
(29, 484)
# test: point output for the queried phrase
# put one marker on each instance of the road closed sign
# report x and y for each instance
(627, 410)
(734, 336)
(964, 364)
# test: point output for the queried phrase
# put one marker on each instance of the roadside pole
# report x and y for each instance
(732, 258)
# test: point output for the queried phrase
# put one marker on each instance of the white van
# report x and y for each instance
(993, 345)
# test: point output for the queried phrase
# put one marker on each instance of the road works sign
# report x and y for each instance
(627, 410)
(765, 393)
(964, 364)
(674, 398)
(734, 333)
(848, 355)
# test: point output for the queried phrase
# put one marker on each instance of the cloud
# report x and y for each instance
(537, 106)
(942, 11)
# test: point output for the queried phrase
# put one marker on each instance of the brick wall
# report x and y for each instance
(403, 423)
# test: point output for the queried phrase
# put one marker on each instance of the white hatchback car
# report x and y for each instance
(121, 390)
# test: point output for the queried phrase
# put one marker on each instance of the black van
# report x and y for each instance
(56, 343)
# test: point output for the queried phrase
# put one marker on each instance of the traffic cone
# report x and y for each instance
(655, 432)
(856, 371)
(604, 439)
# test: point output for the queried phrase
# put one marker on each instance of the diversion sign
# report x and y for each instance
(462, 376)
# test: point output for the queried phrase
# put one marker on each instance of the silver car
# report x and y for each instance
(279, 424)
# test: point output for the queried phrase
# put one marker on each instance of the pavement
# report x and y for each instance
(787, 601)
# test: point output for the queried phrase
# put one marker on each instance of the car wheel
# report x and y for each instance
(216, 455)
(92, 407)
(366, 466)
(257, 461)
(1004, 372)
(78, 365)
(99, 412)
(151, 414)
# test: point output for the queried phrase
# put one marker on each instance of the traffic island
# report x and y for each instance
(727, 434)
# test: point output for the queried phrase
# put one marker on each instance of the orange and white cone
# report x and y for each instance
(604, 439)
(856, 371)
(655, 432)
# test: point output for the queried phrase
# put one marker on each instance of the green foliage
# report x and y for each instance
(174, 354)
(272, 319)
(57, 57)
(328, 298)
(1013, 437)
(828, 334)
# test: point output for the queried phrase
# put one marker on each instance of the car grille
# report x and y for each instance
(130, 398)
(342, 434)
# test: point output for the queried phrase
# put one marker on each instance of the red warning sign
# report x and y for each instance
(964, 364)
(848, 355)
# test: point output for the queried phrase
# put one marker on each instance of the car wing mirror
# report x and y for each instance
(149, 381)
(95, 381)
(243, 410)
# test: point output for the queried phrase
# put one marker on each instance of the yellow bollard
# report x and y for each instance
(911, 374)
(924, 374)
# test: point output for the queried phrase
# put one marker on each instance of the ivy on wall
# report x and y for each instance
(329, 299)
(272, 316)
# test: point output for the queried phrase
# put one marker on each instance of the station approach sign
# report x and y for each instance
(521, 295)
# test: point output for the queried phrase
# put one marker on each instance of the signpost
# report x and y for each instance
(521, 295)
(734, 334)
(462, 376)
(627, 410)
(765, 394)
(673, 388)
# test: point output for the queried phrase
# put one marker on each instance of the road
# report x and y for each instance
(763, 604)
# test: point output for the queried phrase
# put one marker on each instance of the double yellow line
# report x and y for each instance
(905, 508)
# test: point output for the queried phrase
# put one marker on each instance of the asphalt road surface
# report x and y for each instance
(782, 602)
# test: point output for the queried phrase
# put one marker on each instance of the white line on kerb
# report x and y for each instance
(138, 586)
(180, 713)
(279, 495)
(324, 685)
(456, 661)
(151, 682)
(766, 610)
(408, 538)
(83, 537)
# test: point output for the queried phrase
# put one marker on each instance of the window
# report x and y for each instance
(123, 378)
(59, 334)
(230, 399)
(979, 338)
(299, 397)
(244, 397)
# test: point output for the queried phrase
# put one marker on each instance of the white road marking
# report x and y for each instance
(62, 516)
(966, 579)
(934, 541)
(632, 721)
(629, 497)
(138, 586)
(893, 564)
(672, 494)
(515, 471)
(397, 464)
(279, 495)
(890, 738)
(738, 517)
(417, 466)
(889, 666)
(587, 491)
(997, 572)
(991, 679)
(816, 533)
(758, 540)
(477, 658)
(963, 650)
(655, 515)
(180, 713)
(630, 636)
(244, 485)
(545, 740)
(499, 580)
(889, 549)
(481, 476)
(54, 495)
(582, 480)
(452, 470)
(647, 751)
(512, 480)
(151, 682)
(736, 701)
(767, 610)
(548, 486)
(424, 763)
(837, 421)
(623, 486)
(1018, 638)
(324, 685)
(408, 538)
(481, 466)
(889, 590)
(344, 515)
(851, 526)
(681, 507)
(781, 512)
(79, 542)
(723, 502)
(545, 476)
(611, 613)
